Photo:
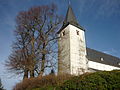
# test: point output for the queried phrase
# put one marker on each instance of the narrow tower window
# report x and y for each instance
(77, 32)
(64, 33)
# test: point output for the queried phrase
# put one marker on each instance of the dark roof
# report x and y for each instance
(96, 56)
(70, 19)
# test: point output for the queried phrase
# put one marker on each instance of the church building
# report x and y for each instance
(74, 57)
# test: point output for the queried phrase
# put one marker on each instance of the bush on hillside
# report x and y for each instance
(44, 82)
(94, 81)
(105, 80)
(1, 86)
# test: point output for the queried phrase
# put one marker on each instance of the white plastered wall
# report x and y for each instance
(77, 51)
(100, 66)
(64, 52)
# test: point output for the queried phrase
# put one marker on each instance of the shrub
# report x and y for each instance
(94, 81)
(1, 86)
(50, 81)
(105, 80)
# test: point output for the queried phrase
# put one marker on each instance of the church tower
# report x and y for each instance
(71, 46)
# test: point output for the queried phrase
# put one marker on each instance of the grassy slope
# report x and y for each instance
(89, 81)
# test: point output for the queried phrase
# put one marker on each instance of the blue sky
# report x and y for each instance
(100, 18)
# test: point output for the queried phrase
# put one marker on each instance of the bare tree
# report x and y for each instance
(35, 48)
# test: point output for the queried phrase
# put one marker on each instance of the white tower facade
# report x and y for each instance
(71, 46)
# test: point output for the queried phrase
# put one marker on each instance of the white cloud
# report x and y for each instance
(99, 8)
(109, 8)
(113, 52)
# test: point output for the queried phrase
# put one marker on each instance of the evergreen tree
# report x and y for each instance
(1, 86)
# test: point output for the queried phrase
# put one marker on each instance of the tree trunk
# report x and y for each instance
(31, 73)
(43, 61)
(43, 64)
(25, 74)
(32, 57)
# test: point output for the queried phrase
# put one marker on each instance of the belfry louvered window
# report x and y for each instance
(77, 32)
(63, 33)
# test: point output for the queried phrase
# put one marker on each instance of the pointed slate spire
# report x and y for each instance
(70, 19)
